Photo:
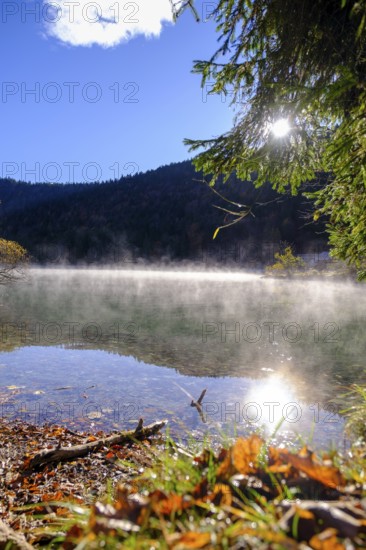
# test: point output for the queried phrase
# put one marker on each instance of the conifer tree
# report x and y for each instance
(300, 63)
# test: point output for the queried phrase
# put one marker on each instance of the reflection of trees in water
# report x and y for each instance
(199, 329)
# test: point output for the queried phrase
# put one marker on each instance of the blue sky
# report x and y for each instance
(111, 97)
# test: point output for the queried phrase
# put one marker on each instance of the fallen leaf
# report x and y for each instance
(168, 504)
(72, 537)
(327, 475)
(226, 468)
(200, 491)
(131, 506)
(192, 540)
(221, 495)
(245, 454)
(326, 540)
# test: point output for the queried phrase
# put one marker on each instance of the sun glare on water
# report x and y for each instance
(272, 401)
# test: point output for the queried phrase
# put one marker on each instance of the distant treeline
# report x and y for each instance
(166, 214)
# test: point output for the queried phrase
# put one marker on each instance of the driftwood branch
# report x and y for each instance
(12, 539)
(198, 405)
(59, 454)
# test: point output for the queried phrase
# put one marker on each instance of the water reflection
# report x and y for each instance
(267, 349)
(272, 401)
(92, 389)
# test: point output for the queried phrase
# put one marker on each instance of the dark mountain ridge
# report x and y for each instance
(166, 214)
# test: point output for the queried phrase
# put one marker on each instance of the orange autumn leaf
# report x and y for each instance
(327, 475)
(275, 456)
(221, 495)
(268, 535)
(279, 468)
(168, 504)
(275, 463)
(73, 536)
(303, 513)
(58, 495)
(226, 469)
(326, 540)
(26, 463)
(56, 432)
(192, 540)
(245, 454)
(64, 512)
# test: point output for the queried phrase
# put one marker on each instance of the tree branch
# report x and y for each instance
(59, 454)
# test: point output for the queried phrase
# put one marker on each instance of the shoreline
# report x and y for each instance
(113, 472)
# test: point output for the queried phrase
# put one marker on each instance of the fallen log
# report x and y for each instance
(12, 539)
(59, 454)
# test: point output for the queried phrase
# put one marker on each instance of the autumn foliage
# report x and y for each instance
(239, 500)
(13, 258)
(249, 495)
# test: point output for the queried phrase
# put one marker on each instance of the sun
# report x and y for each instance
(280, 128)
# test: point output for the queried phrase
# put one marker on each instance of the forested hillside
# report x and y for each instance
(161, 215)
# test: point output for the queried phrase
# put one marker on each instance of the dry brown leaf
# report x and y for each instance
(226, 468)
(275, 464)
(327, 475)
(57, 496)
(192, 540)
(200, 491)
(168, 504)
(303, 513)
(72, 537)
(131, 506)
(245, 454)
(326, 540)
(221, 495)
(279, 468)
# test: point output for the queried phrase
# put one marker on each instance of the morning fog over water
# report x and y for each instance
(98, 348)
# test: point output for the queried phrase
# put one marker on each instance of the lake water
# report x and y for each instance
(98, 349)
